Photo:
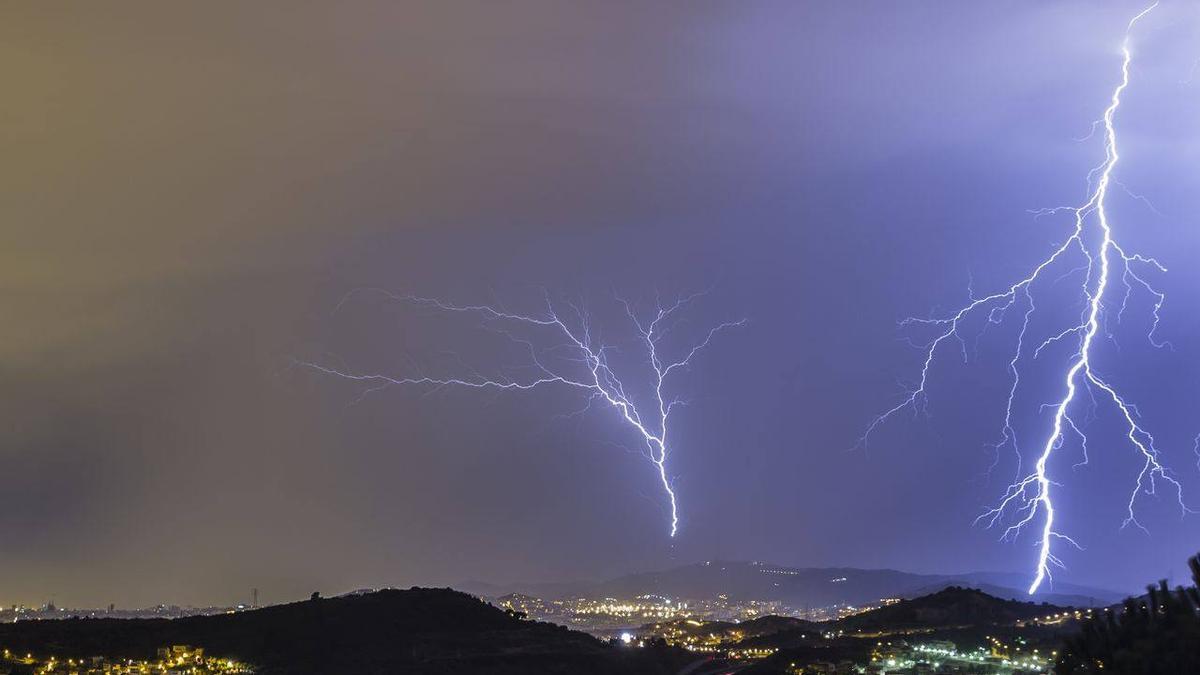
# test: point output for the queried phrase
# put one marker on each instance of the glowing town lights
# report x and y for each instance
(563, 350)
(1092, 250)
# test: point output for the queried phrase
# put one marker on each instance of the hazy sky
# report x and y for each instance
(187, 191)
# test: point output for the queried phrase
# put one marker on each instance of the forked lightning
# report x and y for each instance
(1090, 250)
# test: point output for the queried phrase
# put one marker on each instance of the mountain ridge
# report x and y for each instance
(807, 586)
(417, 631)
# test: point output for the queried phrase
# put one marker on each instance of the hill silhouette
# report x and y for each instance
(951, 606)
(797, 586)
(419, 631)
(771, 624)
(1005, 593)
(964, 616)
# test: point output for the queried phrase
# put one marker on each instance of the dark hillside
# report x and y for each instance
(953, 606)
(416, 631)
(771, 624)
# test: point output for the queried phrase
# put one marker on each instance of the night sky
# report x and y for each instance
(188, 191)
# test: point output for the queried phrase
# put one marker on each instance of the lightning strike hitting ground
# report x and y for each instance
(1096, 253)
(567, 353)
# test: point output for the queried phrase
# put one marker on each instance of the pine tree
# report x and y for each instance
(1157, 634)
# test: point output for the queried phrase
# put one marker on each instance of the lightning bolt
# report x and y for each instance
(564, 351)
(1092, 245)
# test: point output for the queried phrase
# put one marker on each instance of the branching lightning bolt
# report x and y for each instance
(564, 351)
(1092, 242)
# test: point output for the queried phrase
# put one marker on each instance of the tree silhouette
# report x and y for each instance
(1155, 634)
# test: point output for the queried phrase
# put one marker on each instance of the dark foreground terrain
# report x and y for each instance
(440, 631)
(419, 631)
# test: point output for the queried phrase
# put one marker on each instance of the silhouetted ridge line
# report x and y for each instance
(418, 631)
